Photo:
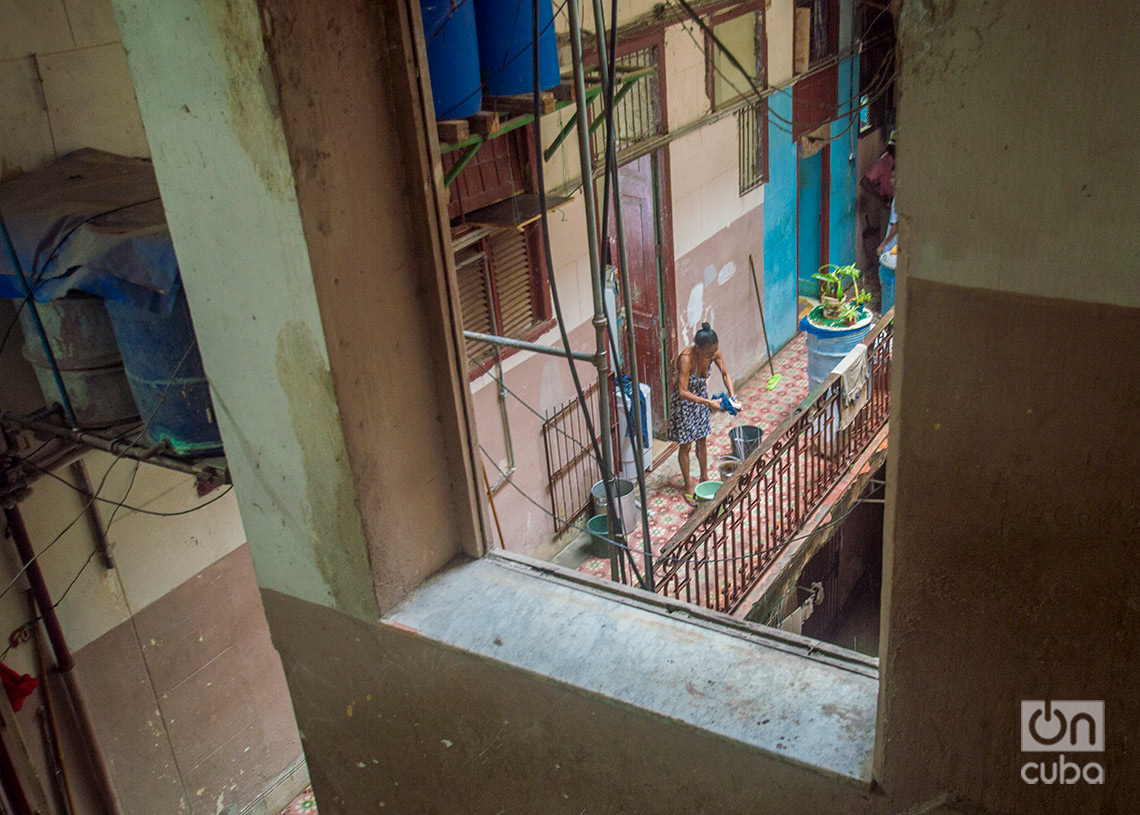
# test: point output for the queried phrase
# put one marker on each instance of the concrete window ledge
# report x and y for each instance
(800, 700)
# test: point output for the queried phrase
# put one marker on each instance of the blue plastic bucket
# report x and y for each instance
(827, 347)
(164, 371)
(453, 57)
(505, 32)
(887, 284)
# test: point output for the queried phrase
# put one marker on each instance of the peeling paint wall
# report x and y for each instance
(226, 182)
(176, 624)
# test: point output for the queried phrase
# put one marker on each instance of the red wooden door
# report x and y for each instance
(639, 214)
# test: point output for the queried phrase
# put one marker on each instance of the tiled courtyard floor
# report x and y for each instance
(764, 408)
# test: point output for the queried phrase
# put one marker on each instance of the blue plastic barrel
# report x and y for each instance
(453, 57)
(505, 55)
(887, 284)
(827, 347)
(164, 370)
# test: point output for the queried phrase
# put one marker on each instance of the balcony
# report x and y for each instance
(771, 512)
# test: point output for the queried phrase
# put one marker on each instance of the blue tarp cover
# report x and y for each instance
(91, 222)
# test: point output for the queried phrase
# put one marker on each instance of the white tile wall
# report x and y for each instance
(91, 101)
(64, 83)
(25, 132)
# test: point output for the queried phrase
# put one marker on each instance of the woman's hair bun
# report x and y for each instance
(705, 326)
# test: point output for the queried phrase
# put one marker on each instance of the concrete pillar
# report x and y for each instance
(296, 169)
(1011, 539)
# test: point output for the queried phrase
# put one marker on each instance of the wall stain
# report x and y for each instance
(251, 94)
(332, 517)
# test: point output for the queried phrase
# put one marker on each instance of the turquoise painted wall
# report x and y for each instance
(780, 224)
(844, 149)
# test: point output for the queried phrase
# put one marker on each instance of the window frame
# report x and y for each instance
(727, 14)
(539, 292)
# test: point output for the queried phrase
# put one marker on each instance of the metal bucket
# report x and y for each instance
(627, 501)
(745, 440)
(83, 344)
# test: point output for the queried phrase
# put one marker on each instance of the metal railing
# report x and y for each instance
(570, 464)
(720, 553)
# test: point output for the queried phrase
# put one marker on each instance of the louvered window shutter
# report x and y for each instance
(513, 282)
(474, 300)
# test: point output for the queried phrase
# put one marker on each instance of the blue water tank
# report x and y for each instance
(164, 371)
(505, 33)
(828, 346)
(453, 57)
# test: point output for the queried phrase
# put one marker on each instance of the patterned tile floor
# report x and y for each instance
(762, 407)
(303, 804)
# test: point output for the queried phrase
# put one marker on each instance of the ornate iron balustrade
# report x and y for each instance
(721, 551)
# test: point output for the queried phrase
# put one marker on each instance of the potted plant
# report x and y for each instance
(838, 323)
(833, 300)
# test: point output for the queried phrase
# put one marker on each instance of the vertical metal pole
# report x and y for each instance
(601, 359)
(623, 271)
(65, 663)
(30, 301)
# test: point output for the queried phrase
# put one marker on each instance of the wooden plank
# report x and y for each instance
(516, 211)
(485, 123)
(520, 103)
(563, 92)
(452, 130)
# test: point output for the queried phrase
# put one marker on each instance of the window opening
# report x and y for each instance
(752, 134)
(637, 105)
(742, 37)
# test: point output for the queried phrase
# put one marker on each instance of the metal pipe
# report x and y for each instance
(503, 413)
(527, 346)
(30, 301)
(48, 722)
(115, 447)
(64, 661)
(601, 357)
(634, 416)
(83, 484)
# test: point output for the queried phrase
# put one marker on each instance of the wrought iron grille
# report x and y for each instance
(570, 464)
(752, 136)
(637, 105)
(720, 554)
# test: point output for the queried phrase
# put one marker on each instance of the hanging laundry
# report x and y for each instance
(627, 391)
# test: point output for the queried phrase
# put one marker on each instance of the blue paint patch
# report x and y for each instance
(780, 224)
(844, 150)
(810, 192)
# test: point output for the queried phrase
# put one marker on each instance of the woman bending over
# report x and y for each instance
(689, 404)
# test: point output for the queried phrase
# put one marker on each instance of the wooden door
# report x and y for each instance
(639, 215)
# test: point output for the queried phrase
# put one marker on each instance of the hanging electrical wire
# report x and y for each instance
(544, 231)
(102, 482)
(780, 122)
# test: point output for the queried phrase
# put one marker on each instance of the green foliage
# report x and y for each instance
(833, 295)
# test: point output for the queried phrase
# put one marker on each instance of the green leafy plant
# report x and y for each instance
(833, 296)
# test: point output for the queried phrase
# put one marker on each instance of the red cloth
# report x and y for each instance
(16, 686)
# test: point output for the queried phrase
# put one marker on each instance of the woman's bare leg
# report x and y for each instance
(703, 457)
(683, 460)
